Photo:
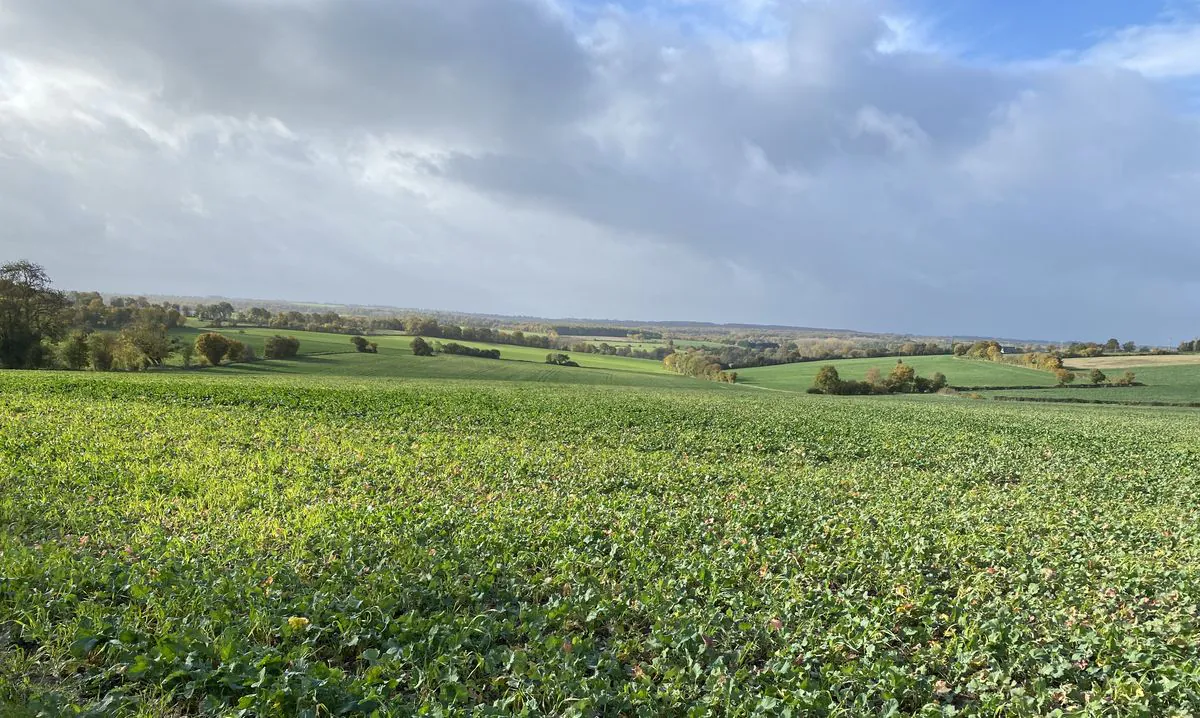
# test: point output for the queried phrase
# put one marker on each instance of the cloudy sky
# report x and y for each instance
(1023, 168)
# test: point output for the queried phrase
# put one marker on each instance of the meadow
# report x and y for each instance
(1164, 382)
(223, 543)
(960, 372)
(332, 355)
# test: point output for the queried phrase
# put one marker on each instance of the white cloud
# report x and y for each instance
(819, 163)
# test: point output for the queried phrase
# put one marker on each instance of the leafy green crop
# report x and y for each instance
(187, 544)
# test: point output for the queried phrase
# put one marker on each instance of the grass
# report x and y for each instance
(959, 372)
(187, 543)
(332, 355)
(1169, 383)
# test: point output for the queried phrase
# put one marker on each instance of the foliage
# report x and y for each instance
(213, 347)
(560, 360)
(237, 351)
(1064, 376)
(30, 313)
(700, 364)
(362, 344)
(102, 351)
(288, 548)
(902, 379)
(280, 347)
(1097, 377)
(461, 349)
(421, 348)
(73, 351)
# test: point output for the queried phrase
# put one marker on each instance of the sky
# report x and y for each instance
(1017, 169)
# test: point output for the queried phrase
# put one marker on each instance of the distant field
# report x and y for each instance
(1130, 362)
(1173, 383)
(959, 372)
(332, 355)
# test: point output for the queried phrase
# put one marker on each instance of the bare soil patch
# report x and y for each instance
(1123, 362)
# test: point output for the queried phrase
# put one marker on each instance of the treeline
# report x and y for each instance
(699, 364)
(567, 330)
(992, 351)
(43, 328)
(464, 350)
(754, 353)
(903, 379)
(656, 354)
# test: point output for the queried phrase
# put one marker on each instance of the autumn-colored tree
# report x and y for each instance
(213, 347)
(1097, 376)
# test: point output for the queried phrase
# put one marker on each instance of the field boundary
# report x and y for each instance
(1110, 402)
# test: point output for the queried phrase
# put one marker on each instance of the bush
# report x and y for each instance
(102, 349)
(280, 347)
(73, 353)
(362, 345)
(213, 347)
(421, 348)
(1097, 376)
(560, 360)
(237, 351)
(1064, 377)
(1127, 379)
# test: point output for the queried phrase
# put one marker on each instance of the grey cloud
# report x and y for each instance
(428, 152)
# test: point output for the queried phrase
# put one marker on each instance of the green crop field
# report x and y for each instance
(224, 543)
(959, 372)
(1169, 383)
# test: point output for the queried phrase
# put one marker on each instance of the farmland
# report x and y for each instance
(1164, 382)
(959, 372)
(205, 542)
(332, 355)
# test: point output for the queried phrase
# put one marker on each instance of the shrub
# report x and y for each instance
(1064, 377)
(421, 348)
(560, 360)
(237, 351)
(360, 344)
(73, 353)
(281, 347)
(213, 347)
(1097, 376)
(102, 349)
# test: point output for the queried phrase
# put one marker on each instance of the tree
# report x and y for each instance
(151, 339)
(186, 352)
(238, 352)
(1064, 377)
(30, 311)
(827, 380)
(1112, 345)
(1097, 376)
(102, 349)
(1129, 347)
(937, 382)
(213, 347)
(360, 343)
(1127, 379)
(902, 378)
(279, 347)
(1187, 346)
(73, 353)
(421, 348)
(875, 377)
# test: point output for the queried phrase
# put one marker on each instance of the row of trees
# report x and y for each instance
(903, 379)
(699, 364)
(464, 350)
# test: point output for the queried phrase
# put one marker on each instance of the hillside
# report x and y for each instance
(959, 372)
